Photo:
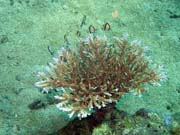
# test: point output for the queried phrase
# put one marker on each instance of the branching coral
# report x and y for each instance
(98, 73)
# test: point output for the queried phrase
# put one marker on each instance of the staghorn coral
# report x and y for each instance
(98, 73)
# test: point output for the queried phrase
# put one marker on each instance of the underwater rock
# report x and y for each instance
(3, 39)
(37, 104)
(133, 125)
(103, 129)
(142, 112)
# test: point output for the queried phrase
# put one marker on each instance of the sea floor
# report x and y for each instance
(31, 32)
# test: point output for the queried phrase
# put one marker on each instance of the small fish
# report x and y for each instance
(50, 50)
(107, 26)
(91, 29)
(78, 33)
(83, 21)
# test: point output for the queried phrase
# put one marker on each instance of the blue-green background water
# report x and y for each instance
(28, 27)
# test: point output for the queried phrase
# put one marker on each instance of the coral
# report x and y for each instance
(98, 73)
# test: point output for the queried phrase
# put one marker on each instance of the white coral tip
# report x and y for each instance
(55, 60)
(71, 114)
(52, 65)
(47, 69)
(125, 36)
(39, 74)
(136, 42)
(58, 97)
(44, 90)
(63, 108)
(37, 84)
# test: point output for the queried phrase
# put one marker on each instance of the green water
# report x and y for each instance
(29, 27)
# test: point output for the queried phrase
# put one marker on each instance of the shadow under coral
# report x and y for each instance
(86, 125)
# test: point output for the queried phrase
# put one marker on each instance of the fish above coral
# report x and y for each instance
(98, 73)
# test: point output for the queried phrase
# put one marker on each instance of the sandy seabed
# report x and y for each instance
(29, 27)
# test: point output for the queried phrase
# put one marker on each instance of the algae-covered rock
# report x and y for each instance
(121, 123)
(103, 129)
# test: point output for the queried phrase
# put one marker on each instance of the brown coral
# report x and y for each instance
(98, 73)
